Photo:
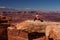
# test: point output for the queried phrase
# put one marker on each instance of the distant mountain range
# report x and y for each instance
(21, 15)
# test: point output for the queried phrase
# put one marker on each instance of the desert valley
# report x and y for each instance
(20, 25)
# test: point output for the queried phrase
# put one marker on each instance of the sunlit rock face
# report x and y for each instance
(53, 31)
(31, 26)
(32, 23)
(37, 26)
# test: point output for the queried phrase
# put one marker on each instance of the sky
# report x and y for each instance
(31, 4)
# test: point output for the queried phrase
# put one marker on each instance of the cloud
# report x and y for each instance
(2, 7)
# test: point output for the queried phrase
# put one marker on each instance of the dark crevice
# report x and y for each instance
(35, 35)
